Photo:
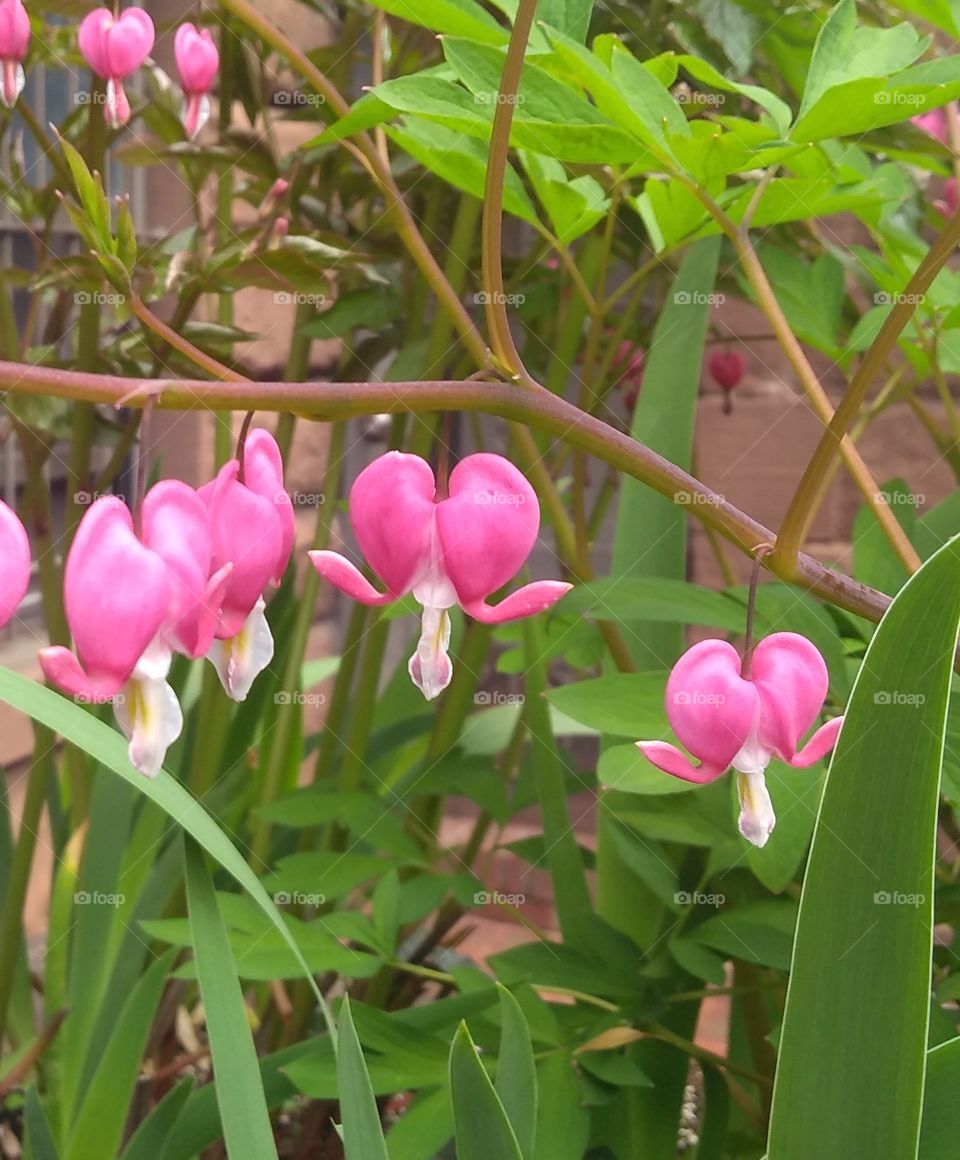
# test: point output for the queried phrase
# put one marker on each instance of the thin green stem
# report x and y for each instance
(498, 322)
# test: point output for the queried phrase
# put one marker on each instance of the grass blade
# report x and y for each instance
(482, 1129)
(236, 1069)
(361, 1127)
(852, 1052)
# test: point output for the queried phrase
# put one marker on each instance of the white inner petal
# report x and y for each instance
(148, 712)
(757, 818)
(242, 658)
(430, 668)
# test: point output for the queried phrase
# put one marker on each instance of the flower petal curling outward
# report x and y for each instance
(116, 595)
(526, 601)
(791, 677)
(671, 760)
(348, 578)
(819, 745)
(14, 562)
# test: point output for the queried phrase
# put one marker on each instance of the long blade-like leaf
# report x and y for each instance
(361, 1126)
(236, 1070)
(852, 1051)
(482, 1128)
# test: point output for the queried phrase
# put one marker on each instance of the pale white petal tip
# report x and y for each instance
(757, 819)
(14, 80)
(242, 658)
(430, 667)
(149, 715)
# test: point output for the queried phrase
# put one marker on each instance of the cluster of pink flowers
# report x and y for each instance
(190, 580)
(189, 576)
(115, 46)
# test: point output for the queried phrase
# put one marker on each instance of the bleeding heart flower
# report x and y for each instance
(14, 38)
(114, 47)
(119, 600)
(934, 124)
(14, 563)
(727, 368)
(725, 718)
(197, 62)
(447, 550)
(253, 528)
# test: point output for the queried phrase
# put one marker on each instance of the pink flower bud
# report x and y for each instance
(14, 38)
(114, 48)
(197, 62)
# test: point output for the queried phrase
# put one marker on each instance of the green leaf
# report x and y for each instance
(874, 561)
(373, 308)
(106, 1100)
(110, 749)
(843, 53)
(150, 1138)
(661, 599)
(850, 1074)
(563, 1123)
(361, 1127)
(625, 769)
(650, 537)
(624, 704)
(38, 1141)
(941, 1108)
(424, 1129)
(483, 1131)
(649, 99)
(516, 1081)
(796, 795)
(571, 17)
(456, 17)
(236, 1071)
(460, 161)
